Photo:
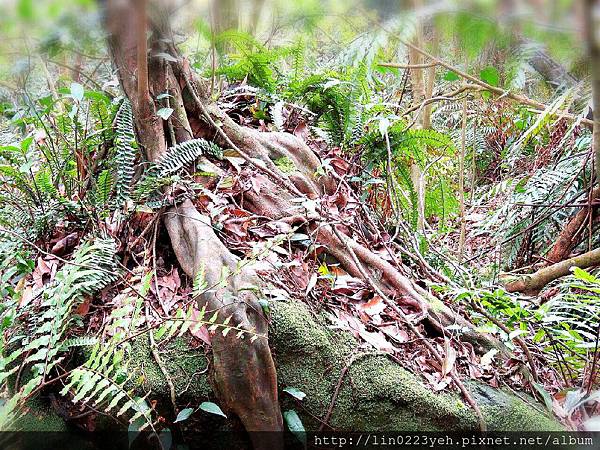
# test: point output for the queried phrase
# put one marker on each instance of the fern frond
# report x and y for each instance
(103, 189)
(185, 153)
(91, 269)
(126, 147)
(102, 381)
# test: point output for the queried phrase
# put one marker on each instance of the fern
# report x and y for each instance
(164, 171)
(126, 146)
(546, 186)
(91, 269)
(43, 181)
(185, 153)
(102, 379)
(103, 189)
(190, 319)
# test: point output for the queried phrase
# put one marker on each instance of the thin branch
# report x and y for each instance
(488, 87)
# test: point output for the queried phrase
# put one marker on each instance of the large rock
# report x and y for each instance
(376, 395)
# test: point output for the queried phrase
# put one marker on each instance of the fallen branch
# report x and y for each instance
(533, 283)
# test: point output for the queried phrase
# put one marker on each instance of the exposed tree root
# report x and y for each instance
(571, 235)
(244, 372)
(533, 284)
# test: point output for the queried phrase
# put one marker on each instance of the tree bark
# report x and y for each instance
(417, 78)
(244, 373)
(534, 283)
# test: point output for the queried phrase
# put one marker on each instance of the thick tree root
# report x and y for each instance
(244, 374)
(571, 235)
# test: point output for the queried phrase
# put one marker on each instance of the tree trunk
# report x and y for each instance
(417, 79)
(244, 373)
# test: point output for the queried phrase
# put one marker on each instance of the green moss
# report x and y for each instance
(506, 412)
(436, 304)
(285, 164)
(187, 368)
(38, 416)
(376, 393)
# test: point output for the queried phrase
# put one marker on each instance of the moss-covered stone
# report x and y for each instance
(376, 393)
(187, 368)
(38, 416)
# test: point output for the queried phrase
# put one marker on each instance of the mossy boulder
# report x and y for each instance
(376, 393)
(187, 367)
(38, 415)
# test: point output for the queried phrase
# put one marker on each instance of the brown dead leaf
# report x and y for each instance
(373, 307)
(394, 332)
(301, 131)
(84, 307)
(202, 332)
(449, 358)
(26, 296)
(65, 244)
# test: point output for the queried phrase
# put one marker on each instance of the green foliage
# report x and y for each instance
(545, 187)
(165, 170)
(125, 152)
(251, 60)
(337, 99)
(569, 320)
(410, 146)
(185, 153)
(41, 337)
(573, 315)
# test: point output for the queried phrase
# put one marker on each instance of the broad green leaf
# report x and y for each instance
(544, 394)
(296, 393)
(451, 76)
(490, 75)
(212, 408)
(264, 304)
(295, 425)
(77, 91)
(184, 414)
(164, 113)
(583, 275)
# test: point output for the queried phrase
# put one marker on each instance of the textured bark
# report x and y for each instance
(532, 284)
(244, 373)
(572, 234)
(417, 79)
